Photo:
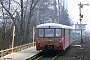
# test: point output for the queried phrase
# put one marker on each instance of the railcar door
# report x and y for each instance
(67, 41)
(63, 37)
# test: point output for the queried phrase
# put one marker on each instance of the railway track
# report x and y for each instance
(52, 55)
(46, 55)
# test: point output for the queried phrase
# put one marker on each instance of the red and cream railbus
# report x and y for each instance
(53, 36)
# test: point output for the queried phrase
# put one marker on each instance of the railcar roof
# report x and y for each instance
(53, 25)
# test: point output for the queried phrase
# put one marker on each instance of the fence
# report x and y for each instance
(15, 49)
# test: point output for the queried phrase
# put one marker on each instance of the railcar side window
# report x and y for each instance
(58, 32)
(66, 32)
(49, 32)
(41, 32)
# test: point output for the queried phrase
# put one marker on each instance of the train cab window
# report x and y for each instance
(41, 33)
(49, 32)
(58, 32)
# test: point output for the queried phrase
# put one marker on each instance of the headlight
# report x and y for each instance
(60, 41)
(38, 41)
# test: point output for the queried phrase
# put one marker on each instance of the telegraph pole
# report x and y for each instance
(81, 16)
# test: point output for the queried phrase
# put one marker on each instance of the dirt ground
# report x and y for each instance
(77, 53)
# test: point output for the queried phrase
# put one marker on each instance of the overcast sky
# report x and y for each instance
(73, 10)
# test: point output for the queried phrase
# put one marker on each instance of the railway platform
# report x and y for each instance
(22, 55)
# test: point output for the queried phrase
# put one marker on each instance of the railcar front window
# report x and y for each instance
(41, 33)
(58, 32)
(49, 32)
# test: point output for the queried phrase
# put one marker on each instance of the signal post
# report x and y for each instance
(81, 16)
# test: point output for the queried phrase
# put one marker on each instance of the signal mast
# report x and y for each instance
(81, 16)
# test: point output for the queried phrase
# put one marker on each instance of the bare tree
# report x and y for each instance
(5, 32)
(19, 18)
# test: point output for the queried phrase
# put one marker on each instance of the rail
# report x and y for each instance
(15, 49)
